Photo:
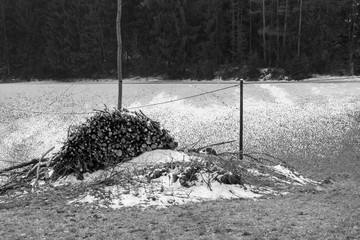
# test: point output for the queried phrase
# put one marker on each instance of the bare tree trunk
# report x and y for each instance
(277, 33)
(270, 41)
(5, 43)
(233, 33)
(100, 37)
(119, 53)
(218, 33)
(351, 40)
(240, 28)
(285, 26)
(299, 32)
(250, 32)
(264, 25)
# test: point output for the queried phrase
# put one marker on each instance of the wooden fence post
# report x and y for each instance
(241, 143)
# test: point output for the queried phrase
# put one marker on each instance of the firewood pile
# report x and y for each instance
(109, 137)
(106, 138)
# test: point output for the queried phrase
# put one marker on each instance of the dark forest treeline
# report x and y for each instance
(178, 38)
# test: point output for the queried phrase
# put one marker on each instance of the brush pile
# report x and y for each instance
(105, 139)
(109, 137)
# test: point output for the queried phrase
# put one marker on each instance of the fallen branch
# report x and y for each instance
(208, 146)
(261, 156)
(16, 179)
(39, 164)
(10, 186)
(196, 143)
(33, 161)
(217, 144)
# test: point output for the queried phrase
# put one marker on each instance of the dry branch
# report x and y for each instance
(39, 165)
(208, 146)
(216, 144)
(33, 161)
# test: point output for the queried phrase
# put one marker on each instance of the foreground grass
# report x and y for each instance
(330, 214)
(333, 212)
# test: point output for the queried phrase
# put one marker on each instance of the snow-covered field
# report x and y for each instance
(288, 120)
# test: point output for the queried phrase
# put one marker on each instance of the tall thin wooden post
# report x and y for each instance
(241, 143)
(119, 53)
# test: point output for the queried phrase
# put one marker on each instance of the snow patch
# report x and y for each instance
(279, 94)
(293, 175)
(316, 90)
(161, 195)
(161, 156)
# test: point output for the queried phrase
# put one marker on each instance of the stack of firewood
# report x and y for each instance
(109, 137)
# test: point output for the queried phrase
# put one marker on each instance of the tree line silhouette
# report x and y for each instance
(199, 39)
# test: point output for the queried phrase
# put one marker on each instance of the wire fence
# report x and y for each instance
(204, 92)
(278, 119)
(130, 108)
(72, 121)
(58, 97)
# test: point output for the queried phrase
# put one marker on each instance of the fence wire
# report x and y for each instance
(56, 99)
(131, 108)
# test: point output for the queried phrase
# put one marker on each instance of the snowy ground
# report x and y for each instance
(164, 191)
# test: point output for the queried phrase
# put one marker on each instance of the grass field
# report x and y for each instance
(313, 126)
(297, 122)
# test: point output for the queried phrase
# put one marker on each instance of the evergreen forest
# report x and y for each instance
(177, 39)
